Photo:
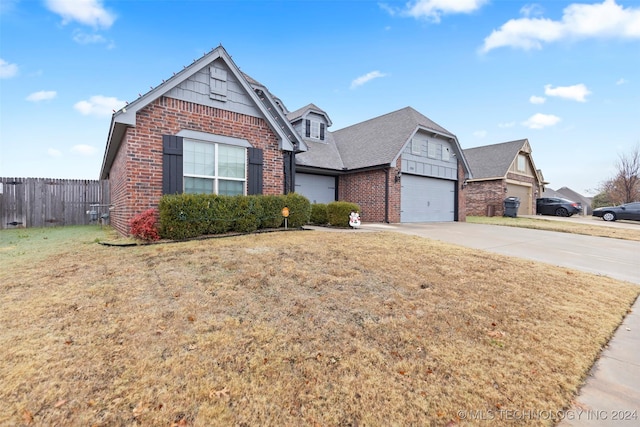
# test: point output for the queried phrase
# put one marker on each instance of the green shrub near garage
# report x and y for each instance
(319, 214)
(338, 213)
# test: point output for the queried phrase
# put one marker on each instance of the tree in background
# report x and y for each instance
(624, 187)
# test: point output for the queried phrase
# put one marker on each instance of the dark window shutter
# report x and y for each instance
(254, 184)
(171, 164)
(307, 131)
(322, 131)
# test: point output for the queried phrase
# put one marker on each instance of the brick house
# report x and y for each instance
(500, 171)
(399, 167)
(209, 128)
(213, 129)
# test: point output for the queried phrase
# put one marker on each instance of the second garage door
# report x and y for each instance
(426, 199)
(316, 188)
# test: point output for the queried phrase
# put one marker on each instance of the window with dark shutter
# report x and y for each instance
(307, 131)
(171, 164)
(322, 131)
(254, 173)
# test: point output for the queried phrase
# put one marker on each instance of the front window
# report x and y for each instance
(522, 163)
(213, 168)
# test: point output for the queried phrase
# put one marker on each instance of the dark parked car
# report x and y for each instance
(626, 211)
(557, 206)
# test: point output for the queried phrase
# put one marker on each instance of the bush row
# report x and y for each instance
(184, 216)
(335, 214)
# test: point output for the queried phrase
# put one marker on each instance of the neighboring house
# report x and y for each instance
(399, 167)
(567, 193)
(500, 171)
(209, 128)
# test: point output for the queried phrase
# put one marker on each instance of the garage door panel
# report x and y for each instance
(524, 194)
(316, 188)
(425, 199)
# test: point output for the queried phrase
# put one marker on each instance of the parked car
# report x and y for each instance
(626, 211)
(557, 206)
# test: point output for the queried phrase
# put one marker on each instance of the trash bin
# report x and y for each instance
(511, 205)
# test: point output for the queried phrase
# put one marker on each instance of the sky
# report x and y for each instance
(563, 74)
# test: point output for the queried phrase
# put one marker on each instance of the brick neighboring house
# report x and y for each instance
(500, 171)
(209, 128)
(399, 167)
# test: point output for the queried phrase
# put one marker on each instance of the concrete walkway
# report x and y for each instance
(611, 393)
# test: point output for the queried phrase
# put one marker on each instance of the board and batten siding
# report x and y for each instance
(421, 164)
(44, 202)
(198, 89)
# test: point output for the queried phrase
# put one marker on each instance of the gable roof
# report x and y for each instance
(126, 117)
(494, 161)
(310, 108)
(380, 141)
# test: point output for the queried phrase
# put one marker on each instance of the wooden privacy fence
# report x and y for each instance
(42, 202)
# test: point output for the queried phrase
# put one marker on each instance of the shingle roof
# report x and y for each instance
(493, 161)
(379, 140)
(322, 155)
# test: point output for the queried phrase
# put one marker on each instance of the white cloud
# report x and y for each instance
(576, 92)
(434, 9)
(529, 10)
(43, 95)
(99, 105)
(621, 81)
(506, 125)
(54, 153)
(480, 133)
(87, 12)
(539, 121)
(537, 99)
(83, 149)
(81, 37)
(7, 70)
(602, 20)
(366, 78)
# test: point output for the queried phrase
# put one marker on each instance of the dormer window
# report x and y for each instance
(314, 129)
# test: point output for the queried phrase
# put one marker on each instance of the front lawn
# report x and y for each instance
(290, 328)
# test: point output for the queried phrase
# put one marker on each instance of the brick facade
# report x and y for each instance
(485, 198)
(372, 190)
(461, 193)
(369, 190)
(136, 173)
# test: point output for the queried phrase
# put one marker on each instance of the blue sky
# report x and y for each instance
(564, 74)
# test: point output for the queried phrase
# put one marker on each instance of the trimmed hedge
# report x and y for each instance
(184, 216)
(338, 213)
(319, 214)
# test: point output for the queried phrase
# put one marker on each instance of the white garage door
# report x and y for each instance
(427, 199)
(316, 188)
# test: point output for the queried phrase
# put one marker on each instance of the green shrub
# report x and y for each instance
(272, 211)
(319, 214)
(338, 213)
(184, 216)
(299, 209)
(181, 216)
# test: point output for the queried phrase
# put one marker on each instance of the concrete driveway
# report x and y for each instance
(617, 258)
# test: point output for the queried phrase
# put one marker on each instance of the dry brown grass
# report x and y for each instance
(291, 328)
(561, 226)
